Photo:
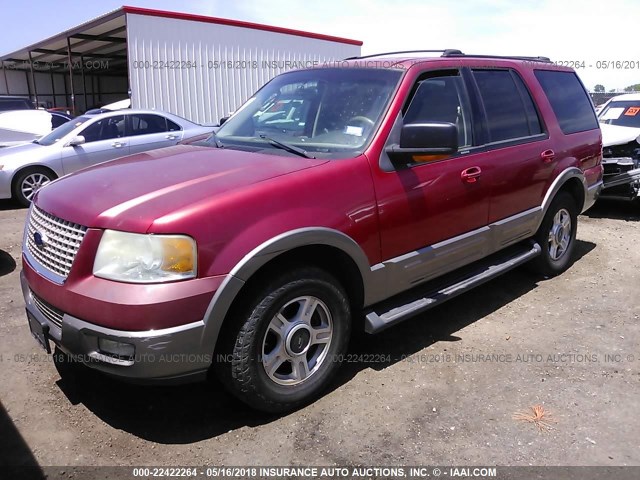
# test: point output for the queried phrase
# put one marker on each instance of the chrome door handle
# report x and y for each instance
(548, 156)
(118, 144)
(171, 137)
(471, 174)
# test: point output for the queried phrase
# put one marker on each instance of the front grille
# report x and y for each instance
(60, 241)
(50, 312)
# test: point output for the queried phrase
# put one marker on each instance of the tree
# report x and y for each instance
(633, 88)
(598, 88)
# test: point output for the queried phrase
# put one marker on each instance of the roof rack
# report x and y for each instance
(452, 52)
(445, 53)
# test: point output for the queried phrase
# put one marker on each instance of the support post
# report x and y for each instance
(33, 80)
(73, 97)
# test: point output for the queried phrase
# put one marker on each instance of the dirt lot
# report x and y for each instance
(447, 396)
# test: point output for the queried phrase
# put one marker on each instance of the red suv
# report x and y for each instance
(377, 187)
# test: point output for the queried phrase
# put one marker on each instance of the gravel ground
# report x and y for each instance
(444, 392)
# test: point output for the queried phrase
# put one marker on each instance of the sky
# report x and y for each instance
(593, 34)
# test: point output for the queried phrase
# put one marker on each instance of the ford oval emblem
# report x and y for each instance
(40, 239)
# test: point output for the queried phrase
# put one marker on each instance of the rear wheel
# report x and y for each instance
(288, 343)
(557, 236)
(28, 182)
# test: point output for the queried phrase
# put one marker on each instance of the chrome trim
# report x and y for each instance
(62, 240)
(51, 313)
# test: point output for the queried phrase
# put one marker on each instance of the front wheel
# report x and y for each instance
(557, 236)
(290, 340)
(29, 182)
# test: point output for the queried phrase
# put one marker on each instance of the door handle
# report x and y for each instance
(471, 174)
(118, 144)
(548, 156)
(171, 137)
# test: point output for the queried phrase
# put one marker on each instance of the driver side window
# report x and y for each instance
(441, 97)
(105, 129)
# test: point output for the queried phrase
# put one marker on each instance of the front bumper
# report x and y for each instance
(5, 183)
(172, 354)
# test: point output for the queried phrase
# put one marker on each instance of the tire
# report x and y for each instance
(274, 357)
(28, 182)
(557, 236)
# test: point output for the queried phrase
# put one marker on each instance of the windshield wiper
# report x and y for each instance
(288, 148)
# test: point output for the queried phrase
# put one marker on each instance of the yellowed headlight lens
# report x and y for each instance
(178, 255)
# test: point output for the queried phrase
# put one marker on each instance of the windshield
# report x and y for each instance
(324, 112)
(62, 131)
(622, 113)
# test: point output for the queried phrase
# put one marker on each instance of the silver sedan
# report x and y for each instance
(85, 141)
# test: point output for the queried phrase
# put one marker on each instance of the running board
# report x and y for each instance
(422, 298)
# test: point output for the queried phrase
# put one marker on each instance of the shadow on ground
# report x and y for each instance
(16, 460)
(615, 209)
(190, 413)
(7, 263)
(10, 205)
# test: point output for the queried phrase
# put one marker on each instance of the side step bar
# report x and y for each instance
(422, 298)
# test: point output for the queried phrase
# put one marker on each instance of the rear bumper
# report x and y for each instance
(174, 354)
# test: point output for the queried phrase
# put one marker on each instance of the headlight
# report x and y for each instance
(141, 258)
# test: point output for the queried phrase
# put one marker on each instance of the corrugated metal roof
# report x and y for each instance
(104, 36)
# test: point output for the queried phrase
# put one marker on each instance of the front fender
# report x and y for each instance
(267, 251)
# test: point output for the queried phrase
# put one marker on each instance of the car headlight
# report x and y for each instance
(142, 258)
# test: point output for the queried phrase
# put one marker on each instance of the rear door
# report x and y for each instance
(149, 131)
(519, 145)
(104, 140)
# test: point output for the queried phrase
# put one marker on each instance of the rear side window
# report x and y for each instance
(147, 124)
(507, 104)
(569, 100)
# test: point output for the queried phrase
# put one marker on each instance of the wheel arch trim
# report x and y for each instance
(252, 262)
(559, 182)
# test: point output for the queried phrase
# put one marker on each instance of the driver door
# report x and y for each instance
(433, 212)
(104, 140)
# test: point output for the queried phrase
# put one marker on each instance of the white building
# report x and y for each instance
(200, 68)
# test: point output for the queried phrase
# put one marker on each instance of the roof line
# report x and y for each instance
(237, 23)
(66, 33)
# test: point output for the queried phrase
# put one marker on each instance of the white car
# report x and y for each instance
(620, 125)
(85, 141)
(24, 126)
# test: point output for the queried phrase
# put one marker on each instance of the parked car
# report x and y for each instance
(119, 105)
(86, 141)
(255, 256)
(8, 102)
(620, 124)
(24, 126)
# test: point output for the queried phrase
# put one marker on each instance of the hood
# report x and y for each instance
(18, 152)
(130, 193)
(617, 135)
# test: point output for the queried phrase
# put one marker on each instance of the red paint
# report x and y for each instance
(237, 23)
(232, 201)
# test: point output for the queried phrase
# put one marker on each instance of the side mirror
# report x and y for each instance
(75, 141)
(422, 142)
(222, 120)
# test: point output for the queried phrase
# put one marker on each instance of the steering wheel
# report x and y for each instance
(363, 119)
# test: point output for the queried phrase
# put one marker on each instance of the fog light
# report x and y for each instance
(116, 349)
